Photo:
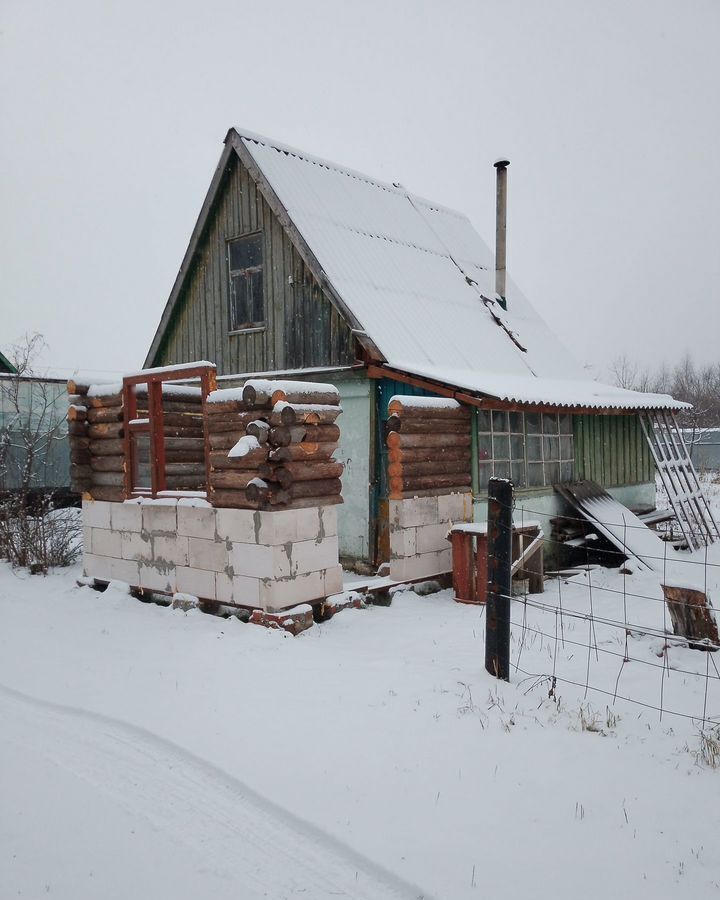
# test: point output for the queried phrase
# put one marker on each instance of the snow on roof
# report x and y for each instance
(420, 280)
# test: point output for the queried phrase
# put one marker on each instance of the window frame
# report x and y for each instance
(502, 466)
(250, 327)
(153, 425)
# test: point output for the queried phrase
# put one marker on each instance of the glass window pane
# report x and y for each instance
(552, 473)
(535, 474)
(246, 252)
(566, 471)
(499, 421)
(532, 423)
(550, 424)
(502, 470)
(566, 424)
(551, 448)
(484, 475)
(566, 447)
(483, 419)
(517, 446)
(484, 446)
(255, 283)
(533, 443)
(501, 446)
(516, 422)
(518, 474)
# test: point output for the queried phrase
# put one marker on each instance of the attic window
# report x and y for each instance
(245, 261)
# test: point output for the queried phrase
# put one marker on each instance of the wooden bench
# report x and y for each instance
(470, 564)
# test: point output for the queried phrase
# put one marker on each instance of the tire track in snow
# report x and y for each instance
(261, 848)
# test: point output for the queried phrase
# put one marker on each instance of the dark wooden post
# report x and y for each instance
(499, 556)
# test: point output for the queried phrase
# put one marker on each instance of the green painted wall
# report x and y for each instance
(612, 450)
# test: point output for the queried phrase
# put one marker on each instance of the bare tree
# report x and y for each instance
(33, 533)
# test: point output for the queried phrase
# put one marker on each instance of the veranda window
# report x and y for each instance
(165, 450)
(533, 449)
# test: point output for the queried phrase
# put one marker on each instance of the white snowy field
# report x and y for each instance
(150, 752)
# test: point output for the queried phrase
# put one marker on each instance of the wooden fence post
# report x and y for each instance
(499, 556)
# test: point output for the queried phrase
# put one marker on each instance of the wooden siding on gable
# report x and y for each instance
(302, 328)
(612, 450)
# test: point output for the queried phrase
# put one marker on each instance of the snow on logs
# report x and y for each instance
(428, 440)
(97, 447)
(272, 445)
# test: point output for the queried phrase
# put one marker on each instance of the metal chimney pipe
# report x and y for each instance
(501, 230)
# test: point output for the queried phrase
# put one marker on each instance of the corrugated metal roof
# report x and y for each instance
(420, 280)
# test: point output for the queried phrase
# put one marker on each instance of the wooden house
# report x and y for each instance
(300, 267)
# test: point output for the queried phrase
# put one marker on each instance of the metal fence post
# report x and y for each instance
(499, 549)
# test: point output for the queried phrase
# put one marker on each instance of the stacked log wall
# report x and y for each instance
(271, 445)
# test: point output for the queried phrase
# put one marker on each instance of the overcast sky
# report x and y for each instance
(113, 115)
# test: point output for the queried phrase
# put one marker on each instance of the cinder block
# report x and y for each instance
(125, 570)
(96, 513)
(173, 550)
(87, 539)
(308, 524)
(311, 556)
(97, 567)
(455, 507)
(287, 592)
(329, 520)
(254, 560)
(196, 582)
(196, 521)
(246, 591)
(159, 517)
(237, 525)
(403, 541)
(135, 545)
(209, 555)
(422, 566)
(333, 580)
(277, 527)
(413, 511)
(155, 579)
(126, 516)
(106, 542)
(432, 537)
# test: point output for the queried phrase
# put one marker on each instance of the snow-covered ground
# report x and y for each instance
(151, 752)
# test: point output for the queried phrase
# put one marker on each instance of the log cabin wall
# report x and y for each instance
(302, 328)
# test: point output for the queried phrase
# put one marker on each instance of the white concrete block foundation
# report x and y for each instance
(418, 528)
(238, 557)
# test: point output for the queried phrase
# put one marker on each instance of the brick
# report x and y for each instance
(96, 513)
(87, 539)
(97, 567)
(421, 566)
(209, 555)
(328, 520)
(310, 556)
(155, 579)
(196, 521)
(173, 550)
(253, 559)
(236, 525)
(280, 594)
(126, 516)
(429, 538)
(294, 620)
(245, 591)
(125, 570)
(195, 581)
(308, 526)
(133, 545)
(403, 542)
(106, 542)
(455, 507)
(159, 517)
(413, 511)
(333, 580)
